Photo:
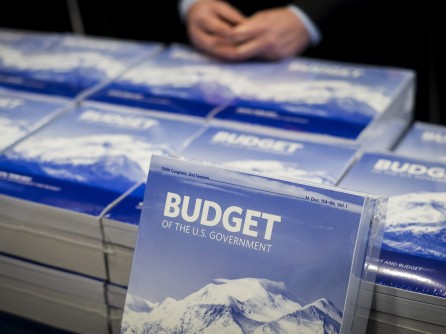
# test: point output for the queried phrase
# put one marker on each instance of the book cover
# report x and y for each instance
(275, 156)
(230, 252)
(413, 255)
(182, 80)
(424, 141)
(65, 64)
(89, 157)
(316, 96)
(21, 115)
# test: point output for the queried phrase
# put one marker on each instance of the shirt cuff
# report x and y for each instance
(184, 6)
(312, 29)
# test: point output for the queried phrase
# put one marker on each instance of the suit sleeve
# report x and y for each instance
(320, 10)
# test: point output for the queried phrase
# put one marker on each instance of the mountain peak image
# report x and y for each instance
(416, 224)
(89, 158)
(245, 305)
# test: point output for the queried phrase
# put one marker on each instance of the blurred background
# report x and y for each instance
(398, 33)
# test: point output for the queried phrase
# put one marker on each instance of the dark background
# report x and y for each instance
(396, 33)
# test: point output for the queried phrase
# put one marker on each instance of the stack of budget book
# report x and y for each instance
(55, 297)
(410, 291)
(424, 141)
(57, 182)
(74, 192)
(369, 105)
(116, 300)
(366, 105)
(274, 156)
(180, 80)
(65, 64)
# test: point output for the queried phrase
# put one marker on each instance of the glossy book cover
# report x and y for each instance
(89, 157)
(413, 255)
(182, 80)
(65, 64)
(424, 141)
(220, 250)
(318, 96)
(272, 155)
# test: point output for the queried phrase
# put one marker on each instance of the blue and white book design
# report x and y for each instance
(424, 141)
(87, 158)
(20, 115)
(224, 251)
(182, 80)
(316, 96)
(65, 64)
(413, 255)
(278, 157)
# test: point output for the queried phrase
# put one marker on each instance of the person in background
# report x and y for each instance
(400, 33)
(274, 31)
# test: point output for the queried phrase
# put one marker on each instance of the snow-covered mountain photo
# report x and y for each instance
(344, 96)
(348, 97)
(89, 158)
(416, 224)
(282, 169)
(273, 260)
(211, 83)
(59, 62)
(180, 76)
(245, 305)
(65, 64)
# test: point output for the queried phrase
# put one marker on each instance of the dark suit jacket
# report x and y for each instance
(318, 10)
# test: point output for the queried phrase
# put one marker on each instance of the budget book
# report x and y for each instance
(220, 250)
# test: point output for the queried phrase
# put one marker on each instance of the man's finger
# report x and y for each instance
(250, 29)
(251, 48)
(213, 45)
(229, 13)
(215, 26)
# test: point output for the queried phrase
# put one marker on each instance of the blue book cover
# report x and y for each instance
(316, 96)
(222, 251)
(424, 141)
(65, 64)
(21, 115)
(413, 255)
(87, 158)
(275, 156)
(182, 80)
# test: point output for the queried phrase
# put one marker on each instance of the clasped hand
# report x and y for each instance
(220, 30)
